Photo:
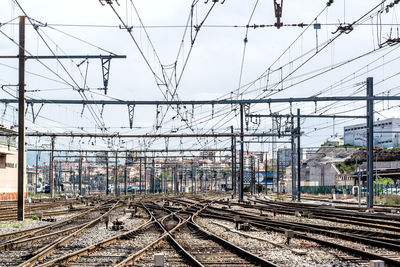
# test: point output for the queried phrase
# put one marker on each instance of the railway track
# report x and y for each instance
(324, 237)
(134, 245)
(110, 251)
(8, 210)
(202, 248)
(28, 249)
(29, 233)
(387, 222)
(352, 205)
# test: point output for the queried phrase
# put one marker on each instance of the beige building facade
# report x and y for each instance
(9, 167)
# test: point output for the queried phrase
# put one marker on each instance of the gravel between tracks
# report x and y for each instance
(315, 255)
(99, 232)
(304, 220)
(172, 258)
(15, 226)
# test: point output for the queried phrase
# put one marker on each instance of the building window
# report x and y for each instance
(2, 161)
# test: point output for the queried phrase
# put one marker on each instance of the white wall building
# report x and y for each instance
(386, 133)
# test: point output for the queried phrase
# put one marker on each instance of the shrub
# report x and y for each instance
(392, 199)
(35, 217)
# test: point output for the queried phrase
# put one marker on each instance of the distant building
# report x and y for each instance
(334, 142)
(285, 157)
(214, 156)
(8, 166)
(386, 133)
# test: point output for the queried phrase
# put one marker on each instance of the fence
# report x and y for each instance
(379, 189)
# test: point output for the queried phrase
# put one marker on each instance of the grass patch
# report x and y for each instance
(391, 200)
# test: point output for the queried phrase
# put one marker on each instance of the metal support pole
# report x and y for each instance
(194, 179)
(140, 175)
(145, 175)
(21, 120)
(277, 174)
(370, 142)
(59, 177)
(152, 177)
(266, 173)
(258, 174)
(241, 154)
(165, 177)
(72, 178)
(125, 175)
(175, 179)
(205, 182)
(36, 172)
(51, 168)
(252, 178)
(298, 157)
(293, 149)
(116, 193)
(80, 175)
(233, 160)
(107, 176)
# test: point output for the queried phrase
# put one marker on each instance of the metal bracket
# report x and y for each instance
(131, 111)
(278, 13)
(344, 29)
(110, 2)
(105, 64)
(214, 1)
(34, 117)
(102, 110)
(83, 109)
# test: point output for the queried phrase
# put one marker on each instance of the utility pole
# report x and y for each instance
(233, 160)
(140, 175)
(145, 175)
(293, 148)
(125, 174)
(51, 168)
(165, 178)
(152, 177)
(277, 174)
(258, 174)
(193, 179)
(59, 176)
(266, 173)
(252, 179)
(370, 142)
(72, 178)
(80, 175)
(116, 191)
(107, 176)
(21, 120)
(241, 154)
(174, 177)
(298, 157)
(36, 171)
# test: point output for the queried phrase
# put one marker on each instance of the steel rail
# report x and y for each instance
(44, 253)
(39, 230)
(166, 235)
(90, 249)
(242, 253)
(234, 248)
(282, 226)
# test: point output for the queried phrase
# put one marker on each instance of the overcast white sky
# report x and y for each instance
(213, 68)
